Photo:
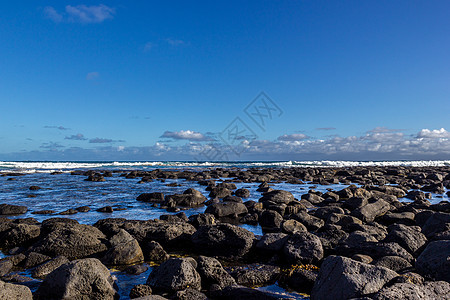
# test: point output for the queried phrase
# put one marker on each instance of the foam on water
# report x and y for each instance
(36, 166)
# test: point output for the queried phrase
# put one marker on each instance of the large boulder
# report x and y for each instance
(10, 291)
(9, 209)
(176, 274)
(410, 291)
(226, 209)
(125, 250)
(223, 240)
(212, 272)
(190, 198)
(255, 274)
(80, 279)
(46, 268)
(303, 248)
(434, 261)
(344, 278)
(151, 197)
(72, 241)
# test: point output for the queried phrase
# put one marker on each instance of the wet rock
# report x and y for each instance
(34, 259)
(226, 209)
(212, 272)
(125, 250)
(410, 291)
(72, 241)
(9, 209)
(10, 291)
(437, 188)
(105, 209)
(434, 261)
(409, 237)
(394, 263)
(80, 279)
(174, 275)
(243, 193)
(34, 188)
(155, 252)
(303, 248)
(416, 195)
(68, 212)
(151, 197)
(43, 212)
(43, 270)
(223, 240)
(83, 209)
(232, 199)
(136, 269)
(140, 290)
(255, 274)
(370, 211)
(343, 278)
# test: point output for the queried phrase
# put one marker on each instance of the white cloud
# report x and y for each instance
(92, 75)
(81, 14)
(175, 42)
(436, 133)
(148, 46)
(104, 141)
(76, 137)
(293, 137)
(185, 135)
(57, 127)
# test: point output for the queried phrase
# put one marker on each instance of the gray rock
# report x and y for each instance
(9, 209)
(226, 209)
(434, 261)
(155, 252)
(370, 211)
(19, 235)
(394, 263)
(270, 219)
(125, 250)
(272, 242)
(409, 237)
(255, 274)
(303, 248)
(343, 278)
(10, 291)
(140, 290)
(278, 196)
(223, 240)
(176, 274)
(43, 270)
(80, 279)
(212, 272)
(72, 241)
(5, 266)
(33, 259)
(410, 291)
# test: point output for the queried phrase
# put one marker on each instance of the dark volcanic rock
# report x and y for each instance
(226, 209)
(434, 261)
(72, 241)
(48, 267)
(303, 248)
(370, 211)
(155, 252)
(272, 242)
(243, 193)
(311, 222)
(212, 272)
(409, 237)
(8, 209)
(19, 235)
(270, 220)
(344, 278)
(255, 274)
(140, 290)
(174, 275)
(394, 263)
(278, 196)
(33, 259)
(125, 250)
(151, 197)
(80, 279)
(223, 240)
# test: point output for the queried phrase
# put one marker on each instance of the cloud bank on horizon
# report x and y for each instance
(377, 144)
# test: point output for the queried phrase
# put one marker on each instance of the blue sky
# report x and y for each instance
(164, 80)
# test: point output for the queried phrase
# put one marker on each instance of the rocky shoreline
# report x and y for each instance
(359, 242)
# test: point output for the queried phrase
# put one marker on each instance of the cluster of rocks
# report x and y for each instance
(357, 242)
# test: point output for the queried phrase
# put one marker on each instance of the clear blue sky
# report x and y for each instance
(160, 80)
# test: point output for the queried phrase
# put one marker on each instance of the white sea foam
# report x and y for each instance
(31, 167)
